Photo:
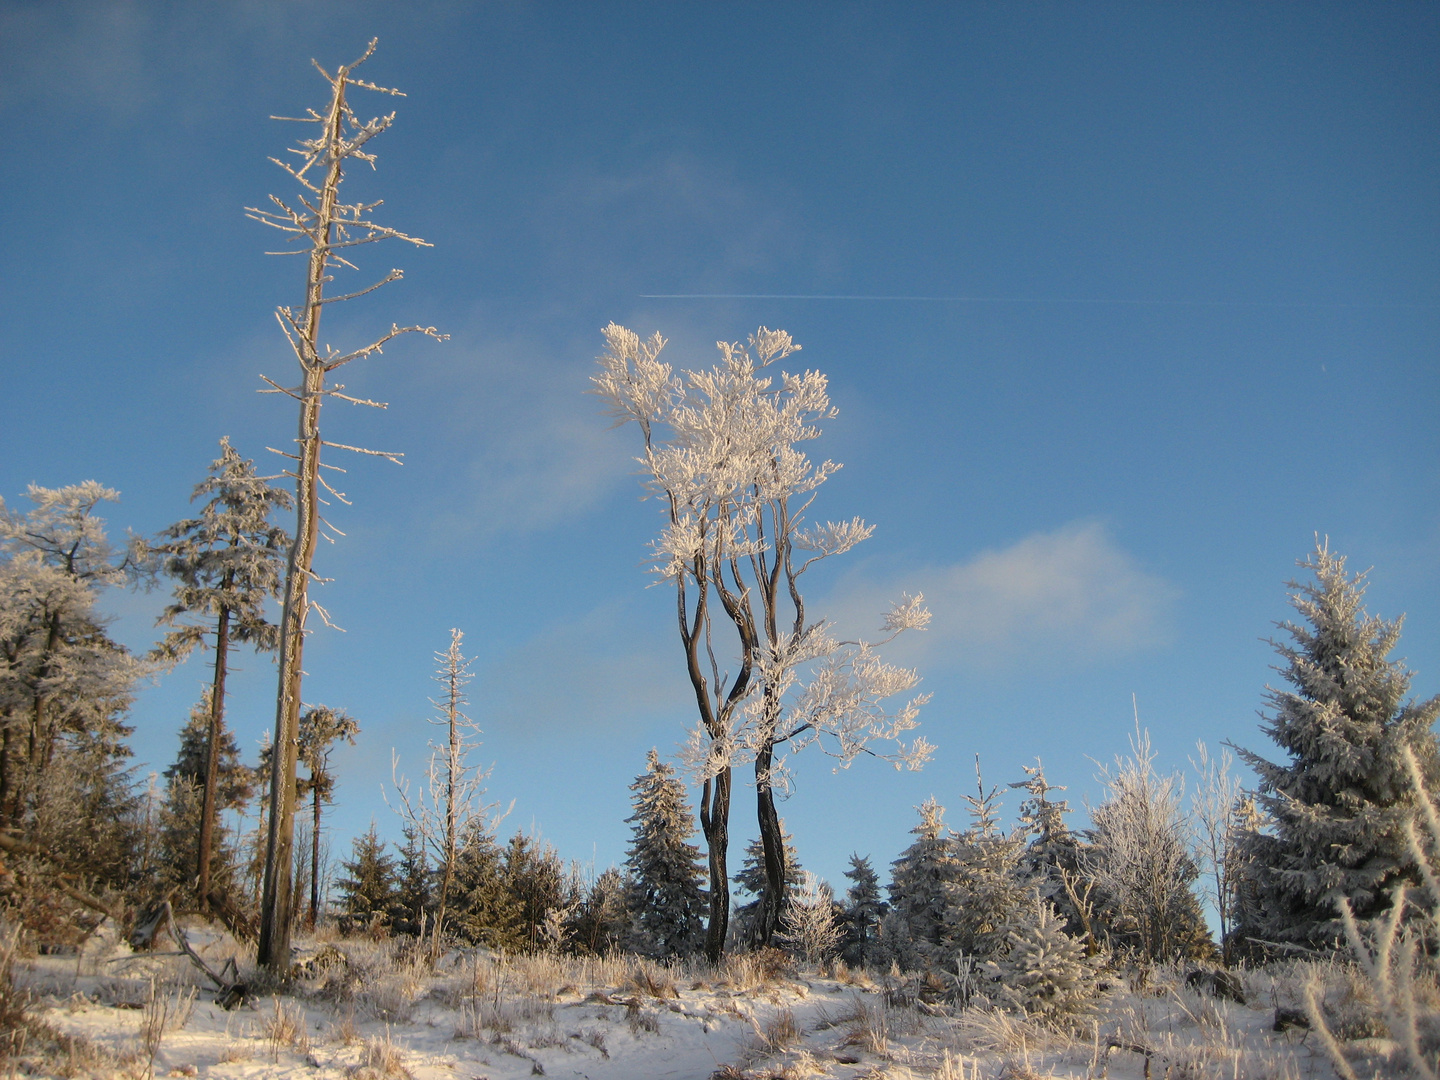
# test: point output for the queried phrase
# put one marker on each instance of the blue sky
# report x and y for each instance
(1169, 307)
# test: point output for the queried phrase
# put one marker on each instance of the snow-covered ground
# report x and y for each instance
(368, 1013)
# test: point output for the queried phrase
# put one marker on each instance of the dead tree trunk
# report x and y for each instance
(328, 226)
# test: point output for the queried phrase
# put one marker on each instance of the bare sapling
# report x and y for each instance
(324, 229)
(440, 811)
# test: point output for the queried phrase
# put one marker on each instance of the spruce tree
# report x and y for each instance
(1042, 971)
(602, 922)
(922, 886)
(415, 886)
(863, 910)
(666, 901)
(1338, 804)
(369, 891)
(226, 563)
(989, 888)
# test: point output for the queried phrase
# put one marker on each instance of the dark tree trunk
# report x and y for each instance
(772, 843)
(206, 853)
(715, 823)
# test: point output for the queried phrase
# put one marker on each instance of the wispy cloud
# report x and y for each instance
(1072, 594)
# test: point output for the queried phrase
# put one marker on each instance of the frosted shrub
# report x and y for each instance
(809, 925)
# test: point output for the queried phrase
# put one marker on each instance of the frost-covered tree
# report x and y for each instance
(321, 727)
(666, 900)
(1041, 970)
(185, 797)
(722, 454)
(65, 684)
(923, 883)
(226, 562)
(1217, 809)
(811, 922)
(989, 887)
(1339, 802)
(863, 909)
(368, 892)
(1050, 863)
(1139, 858)
(326, 230)
(439, 812)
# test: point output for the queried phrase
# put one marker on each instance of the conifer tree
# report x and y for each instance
(415, 885)
(1042, 970)
(602, 922)
(180, 814)
(665, 900)
(923, 883)
(368, 892)
(486, 910)
(863, 910)
(988, 889)
(226, 563)
(1050, 863)
(1338, 804)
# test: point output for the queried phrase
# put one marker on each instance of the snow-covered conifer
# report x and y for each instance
(1041, 970)
(1338, 804)
(923, 883)
(746, 925)
(602, 922)
(863, 908)
(226, 562)
(665, 901)
(988, 889)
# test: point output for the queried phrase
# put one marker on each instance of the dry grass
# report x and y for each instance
(286, 1029)
(382, 1060)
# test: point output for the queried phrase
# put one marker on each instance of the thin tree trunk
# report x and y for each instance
(206, 852)
(315, 851)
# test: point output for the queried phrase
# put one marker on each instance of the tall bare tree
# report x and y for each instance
(324, 229)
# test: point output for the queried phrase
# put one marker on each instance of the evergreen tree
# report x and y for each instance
(988, 890)
(665, 901)
(180, 813)
(922, 886)
(1337, 806)
(415, 886)
(534, 876)
(486, 910)
(1051, 860)
(321, 727)
(1042, 970)
(369, 891)
(863, 909)
(226, 563)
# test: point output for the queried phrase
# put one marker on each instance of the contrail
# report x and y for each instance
(1041, 300)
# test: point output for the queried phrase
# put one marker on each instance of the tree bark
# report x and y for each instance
(315, 849)
(206, 852)
(772, 843)
(715, 824)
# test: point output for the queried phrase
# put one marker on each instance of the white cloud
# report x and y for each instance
(1069, 594)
